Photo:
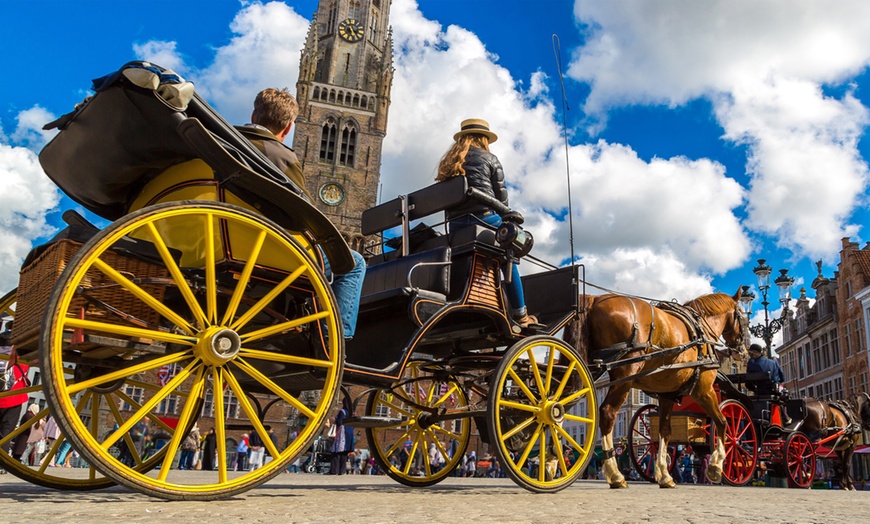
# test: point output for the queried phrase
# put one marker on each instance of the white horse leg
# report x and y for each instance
(717, 459)
(663, 476)
(611, 471)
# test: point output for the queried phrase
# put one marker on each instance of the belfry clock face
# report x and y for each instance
(351, 30)
(331, 194)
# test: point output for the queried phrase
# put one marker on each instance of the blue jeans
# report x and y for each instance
(62, 452)
(347, 289)
(514, 290)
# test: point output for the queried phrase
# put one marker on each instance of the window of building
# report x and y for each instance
(168, 405)
(848, 339)
(826, 351)
(817, 358)
(136, 394)
(331, 19)
(327, 141)
(835, 347)
(353, 10)
(859, 339)
(348, 144)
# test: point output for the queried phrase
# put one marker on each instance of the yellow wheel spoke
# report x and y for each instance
(401, 410)
(283, 327)
(244, 278)
(529, 446)
(185, 420)
(266, 300)
(453, 388)
(542, 457)
(219, 417)
(143, 295)
(126, 372)
(129, 331)
(412, 454)
(536, 372)
(577, 418)
(151, 387)
(571, 442)
(575, 396)
(210, 275)
(565, 379)
(551, 356)
(516, 429)
(287, 359)
(519, 382)
(252, 415)
(559, 451)
(148, 406)
(119, 420)
(177, 276)
(150, 416)
(399, 442)
(276, 389)
(516, 405)
(449, 434)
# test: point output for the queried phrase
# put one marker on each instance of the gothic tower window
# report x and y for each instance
(353, 10)
(348, 144)
(356, 100)
(327, 141)
(333, 16)
(316, 93)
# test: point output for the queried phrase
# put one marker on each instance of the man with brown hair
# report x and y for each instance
(271, 121)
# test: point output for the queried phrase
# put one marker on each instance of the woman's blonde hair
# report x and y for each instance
(451, 163)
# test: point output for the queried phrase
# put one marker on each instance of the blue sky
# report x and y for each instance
(703, 135)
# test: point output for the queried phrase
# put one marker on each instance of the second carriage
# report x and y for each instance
(211, 273)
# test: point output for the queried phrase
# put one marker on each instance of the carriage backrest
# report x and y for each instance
(420, 204)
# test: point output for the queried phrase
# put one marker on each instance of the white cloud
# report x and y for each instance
(29, 132)
(26, 198)
(163, 54)
(762, 64)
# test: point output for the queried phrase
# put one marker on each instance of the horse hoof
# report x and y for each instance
(622, 484)
(668, 485)
(714, 475)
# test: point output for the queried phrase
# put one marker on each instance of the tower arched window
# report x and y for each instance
(327, 141)
(316, 94)
(348, 144)
(356, 100)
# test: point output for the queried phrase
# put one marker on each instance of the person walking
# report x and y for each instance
(241, 460)
(256, 445)
(209, 446)
(14, 376)
(188, 449)
(469, 156)
(31, 454)
(343, 443)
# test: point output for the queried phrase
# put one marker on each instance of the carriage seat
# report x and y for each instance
(425, 275)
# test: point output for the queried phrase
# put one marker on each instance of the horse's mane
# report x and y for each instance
(712, 304)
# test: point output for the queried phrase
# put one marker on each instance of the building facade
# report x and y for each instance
(345, 78)
(853, 276)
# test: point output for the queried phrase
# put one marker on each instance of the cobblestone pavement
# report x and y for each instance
(303, 498)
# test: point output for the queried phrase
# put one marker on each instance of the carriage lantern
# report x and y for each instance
(771, 326)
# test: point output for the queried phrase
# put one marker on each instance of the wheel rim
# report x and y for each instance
(741, 444)
(51, 477)
(800, 460)
(419, 426)
(214, 339)
(643, 449)
(537, 385)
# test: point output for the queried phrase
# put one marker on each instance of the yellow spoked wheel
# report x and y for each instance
(542, 414)
(426, 444)
(190, 311)
(60, 469)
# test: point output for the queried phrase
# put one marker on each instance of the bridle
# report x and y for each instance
(741, 329)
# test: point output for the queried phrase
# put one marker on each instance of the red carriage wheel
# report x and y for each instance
(643, 448)
(799, 460)
(741, 444)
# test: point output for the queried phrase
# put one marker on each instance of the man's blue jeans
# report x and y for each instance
(347, 289)
(514, 290)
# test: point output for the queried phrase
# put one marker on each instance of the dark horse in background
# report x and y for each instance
(665, 350)
(838, 425)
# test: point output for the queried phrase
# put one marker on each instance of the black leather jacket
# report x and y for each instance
(483, 172)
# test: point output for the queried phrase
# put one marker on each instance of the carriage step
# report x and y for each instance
(372, 422)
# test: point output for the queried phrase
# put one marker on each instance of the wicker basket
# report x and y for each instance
(684, 430)
(37, 280)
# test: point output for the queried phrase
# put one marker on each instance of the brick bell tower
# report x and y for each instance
(345, 77)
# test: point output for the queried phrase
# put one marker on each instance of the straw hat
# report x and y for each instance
(475, 126)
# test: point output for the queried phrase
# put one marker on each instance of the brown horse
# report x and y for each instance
(838, 425)
(662, 349)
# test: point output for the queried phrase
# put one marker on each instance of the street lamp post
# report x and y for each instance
(771, 326)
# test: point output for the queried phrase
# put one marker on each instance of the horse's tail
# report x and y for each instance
(577, 331)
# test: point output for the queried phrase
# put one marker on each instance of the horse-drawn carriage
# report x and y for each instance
(766, 430)
(212, 273)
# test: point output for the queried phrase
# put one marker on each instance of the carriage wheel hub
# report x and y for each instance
(218, 346)
(552, 412)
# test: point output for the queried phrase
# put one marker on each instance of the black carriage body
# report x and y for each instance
(439, 295)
